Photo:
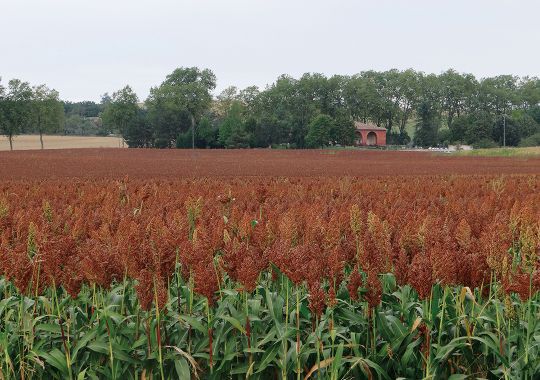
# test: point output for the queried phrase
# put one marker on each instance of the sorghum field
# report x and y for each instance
(147, 264)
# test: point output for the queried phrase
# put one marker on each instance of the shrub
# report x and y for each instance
(485, 144)
(533, 140)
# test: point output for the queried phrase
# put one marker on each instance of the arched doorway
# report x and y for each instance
(371, 138)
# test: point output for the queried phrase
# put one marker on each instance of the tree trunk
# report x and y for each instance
(10, 142)
(192, 131)
(40, 131)
(450, 118)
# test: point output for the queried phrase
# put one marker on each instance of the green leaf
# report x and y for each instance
(363, 362)
(99, 347)
(81, 343)
(235, 322)
(82, 374)
(336, 363)
(268, 358)
(49, 327)
(119, 353)
(182, 368)
(193, 322)
(57, 359)
(268, 338)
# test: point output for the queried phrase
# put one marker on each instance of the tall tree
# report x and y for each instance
(428, 112)
(499, 94)
(139, 132)
(47, 111)
(190, 87)
(15, 109)
(410, 89)
(2, 100)
(122, 111)
(426, 127)
(206, 133)
(282, 108)
(457, 92)
(232, 132)
(529, 92)
(319, 131)
(224, 100)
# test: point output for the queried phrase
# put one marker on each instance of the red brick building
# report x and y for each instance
(369, 135)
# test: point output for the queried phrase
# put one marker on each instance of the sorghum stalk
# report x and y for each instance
(217, 278)
(331, 332)
(148, 338)
(508, 349)
(500, 336)
(189, 307)
(284, 365)
(111, 354)
(94, 300)
(317, 343)
(21, 328)
(210, 335)
(37, 284)
(158, 331)
(427, 311)
(373, 325)
(442, 317)
(248, 330)
(368, 334)
(178, 284)
(191, 295)
(66, 348)
(123, 292)
(298, 369)
(529, 320)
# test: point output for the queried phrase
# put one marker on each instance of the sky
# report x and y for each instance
(85, 48)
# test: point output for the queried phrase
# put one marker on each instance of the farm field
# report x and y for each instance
(31, 142)
(503, 152)
(139, 264)
(179, 163)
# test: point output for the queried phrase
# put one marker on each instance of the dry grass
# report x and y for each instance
(29, 142)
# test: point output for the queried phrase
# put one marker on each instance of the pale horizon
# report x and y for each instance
(84, 50)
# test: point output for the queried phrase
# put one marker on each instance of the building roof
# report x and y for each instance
(359, 126)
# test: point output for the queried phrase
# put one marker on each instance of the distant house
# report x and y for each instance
(369, 135)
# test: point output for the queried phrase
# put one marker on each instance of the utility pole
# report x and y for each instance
(504, 130)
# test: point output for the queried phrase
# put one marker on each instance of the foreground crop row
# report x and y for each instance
(412, 277)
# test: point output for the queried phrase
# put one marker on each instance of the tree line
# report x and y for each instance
(26, 109)
(315, 110)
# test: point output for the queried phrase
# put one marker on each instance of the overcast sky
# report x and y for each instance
(86, 48)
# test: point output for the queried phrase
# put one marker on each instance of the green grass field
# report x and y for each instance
(502, 152)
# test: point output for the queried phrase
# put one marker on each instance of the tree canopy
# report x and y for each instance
(122, 112)
(15, 109)
(179, 103)
(47, 111)
(415, 108)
